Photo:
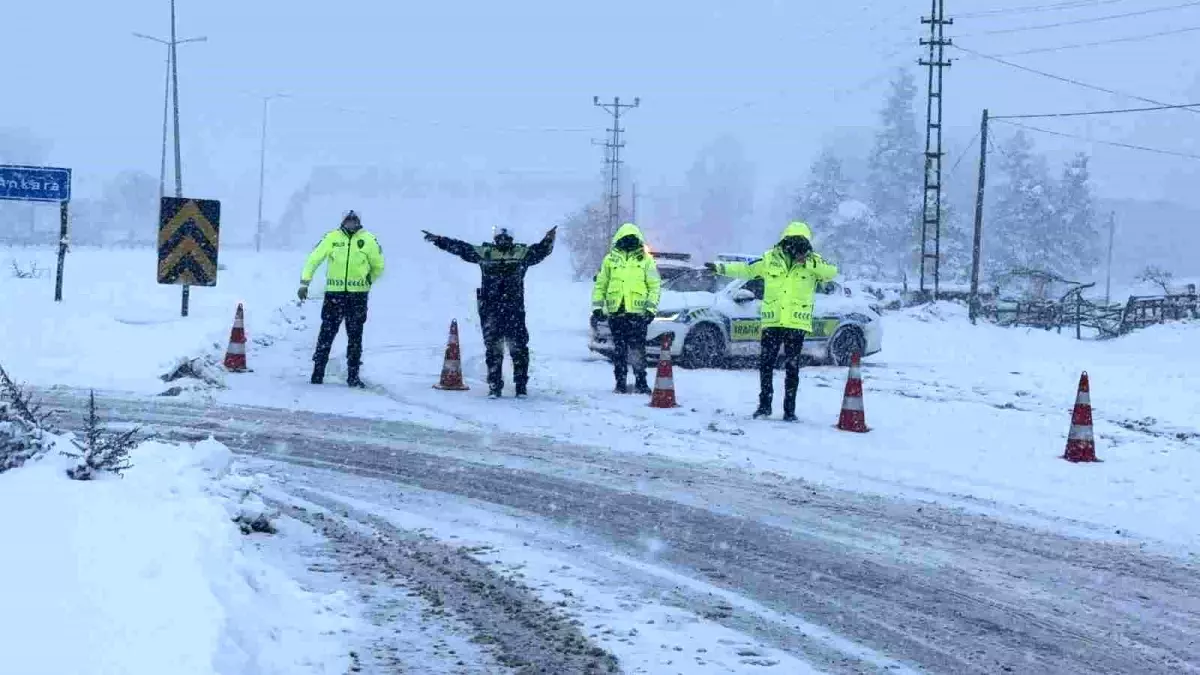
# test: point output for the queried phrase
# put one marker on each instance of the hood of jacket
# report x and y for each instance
(626, 230)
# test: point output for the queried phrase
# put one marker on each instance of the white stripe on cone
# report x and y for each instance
(856, 404)
(1080, 433)
(1083, 398)
(236, 348)
(665, 383)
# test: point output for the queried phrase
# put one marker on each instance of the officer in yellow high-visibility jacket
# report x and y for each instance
(627, 291)
(790, 272)
(355, 263)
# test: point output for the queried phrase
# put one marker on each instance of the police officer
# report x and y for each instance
(626, 292)
(355, 263)
(790, 272)
(501, 299)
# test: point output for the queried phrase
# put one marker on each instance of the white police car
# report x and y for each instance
(714, 319)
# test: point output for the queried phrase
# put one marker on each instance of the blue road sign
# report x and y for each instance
(35, 183)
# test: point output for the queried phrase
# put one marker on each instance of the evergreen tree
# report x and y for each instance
(818, 202)
(895, 172)
(1075, 241)
(718, 200)
(1019, 229)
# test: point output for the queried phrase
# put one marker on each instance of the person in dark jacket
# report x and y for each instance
(501, 299)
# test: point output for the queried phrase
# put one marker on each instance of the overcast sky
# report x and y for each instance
(465, 86)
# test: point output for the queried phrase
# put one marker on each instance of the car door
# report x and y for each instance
(745, 327)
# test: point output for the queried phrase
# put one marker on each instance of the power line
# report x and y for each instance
(1094, 19)
(1116, 144)
(1068, 80)
(1080, 45)
(1097, 112)
(1074, 4)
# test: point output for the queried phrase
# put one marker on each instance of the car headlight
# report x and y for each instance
(667, 316)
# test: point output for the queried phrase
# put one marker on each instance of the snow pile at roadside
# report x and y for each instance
(148, 574)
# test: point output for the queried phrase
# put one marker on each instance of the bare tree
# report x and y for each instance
(1157, 276)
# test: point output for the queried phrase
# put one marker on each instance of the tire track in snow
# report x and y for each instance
(531, 637)
(932, 587)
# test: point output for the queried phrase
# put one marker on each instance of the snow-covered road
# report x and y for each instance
(846, 582)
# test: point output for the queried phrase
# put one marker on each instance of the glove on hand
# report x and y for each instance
(598, 314)
(711, 267)
(303, 292)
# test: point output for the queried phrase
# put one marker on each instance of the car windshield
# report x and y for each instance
(698, 281)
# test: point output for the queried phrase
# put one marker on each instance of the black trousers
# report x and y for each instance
(792, 342)
(629, 345)
(501, 324)
(339, 307)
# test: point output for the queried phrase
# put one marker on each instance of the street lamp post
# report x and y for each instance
(162, 169)
(262, 171)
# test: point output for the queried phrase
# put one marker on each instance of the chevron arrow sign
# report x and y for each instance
(188, 241)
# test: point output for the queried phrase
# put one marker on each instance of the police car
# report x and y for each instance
(714, 321)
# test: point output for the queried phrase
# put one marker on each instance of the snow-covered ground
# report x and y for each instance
(148, 574)
(974, 416)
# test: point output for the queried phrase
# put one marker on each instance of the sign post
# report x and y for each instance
(42, 184)
(188, 243)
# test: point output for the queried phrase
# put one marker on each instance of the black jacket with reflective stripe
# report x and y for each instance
(503, 269)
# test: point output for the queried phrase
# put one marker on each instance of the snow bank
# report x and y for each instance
(148, 575)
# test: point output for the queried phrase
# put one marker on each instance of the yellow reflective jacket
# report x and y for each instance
(627, 282)
(788, 288)
(355, 261)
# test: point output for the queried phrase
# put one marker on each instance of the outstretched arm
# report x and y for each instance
(541, 250)
(459, 248)
(740, 270)
(825, 271)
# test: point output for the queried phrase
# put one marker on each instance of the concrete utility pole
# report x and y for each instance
(262, 171)
(977, 246)
(162, 168)
(931, 217)
(614, 158)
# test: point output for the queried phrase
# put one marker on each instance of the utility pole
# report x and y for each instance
(614, 159)
(633, 203)
(262, 171)
(1112, 232)
(931, 217)
(977, 245)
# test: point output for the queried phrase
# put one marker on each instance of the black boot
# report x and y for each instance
(495, 392)
(640, 386)
(764, 407)
(621, 388)
(318, 374)
(352, 378)
(789, 417)
(522, 391)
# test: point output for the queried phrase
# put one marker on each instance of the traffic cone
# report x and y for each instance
(853, 417)
(235, 354)
(1081, 445)
(663, 395)
(452, 379)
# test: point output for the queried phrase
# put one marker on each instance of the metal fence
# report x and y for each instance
(1096, 319)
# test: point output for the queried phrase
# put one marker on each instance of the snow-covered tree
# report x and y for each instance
(1075, 240)
(101, 451)
(895, 170)
(22, 437)
(586, 234)
(1022, 215)
(718, 200)
(818, 201)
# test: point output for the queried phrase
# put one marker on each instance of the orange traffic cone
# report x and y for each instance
(853, 417)
(235, 354)
(663, 395)
(1081, 446)
(452, 379)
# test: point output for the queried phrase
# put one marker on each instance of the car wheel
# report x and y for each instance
(703, 348)
(845, 343)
